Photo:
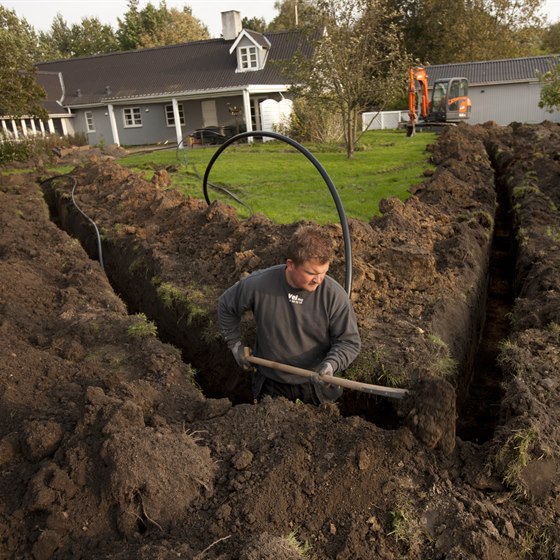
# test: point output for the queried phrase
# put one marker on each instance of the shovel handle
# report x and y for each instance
(391, 392)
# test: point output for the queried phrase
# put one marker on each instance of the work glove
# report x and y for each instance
(238, 351)
(325, 391)
(325, 368)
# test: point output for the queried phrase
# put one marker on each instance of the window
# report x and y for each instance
(248, 58)
(438, 97)
(90, 124)
(170, 117)
(132, 117)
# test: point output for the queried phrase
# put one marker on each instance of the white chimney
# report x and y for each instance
(231, 25)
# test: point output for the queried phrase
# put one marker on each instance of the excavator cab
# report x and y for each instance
(450, 101)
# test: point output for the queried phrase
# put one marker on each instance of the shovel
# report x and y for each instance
(432, 413)
(390, 392)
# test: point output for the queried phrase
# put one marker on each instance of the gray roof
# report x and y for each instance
(259, 38)
(176, 69)
(52, 84)
(495, 71)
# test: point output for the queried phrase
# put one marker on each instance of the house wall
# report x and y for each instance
(507, 103)
(102, 132)
(154, 127)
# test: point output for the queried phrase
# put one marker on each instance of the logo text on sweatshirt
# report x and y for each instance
(294, 298)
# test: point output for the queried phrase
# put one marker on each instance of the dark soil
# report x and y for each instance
(117, 443)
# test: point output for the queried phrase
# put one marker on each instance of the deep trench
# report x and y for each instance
(218, 376)
(479, 412)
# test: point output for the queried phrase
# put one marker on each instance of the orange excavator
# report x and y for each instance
(450, 101)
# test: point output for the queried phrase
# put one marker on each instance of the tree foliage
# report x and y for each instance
(90, 37)
(551, 39)
(19, 92)
(442, 32)
(294, 14)
(550, 92)
(158, 26)
(254, 24)
(357, 65)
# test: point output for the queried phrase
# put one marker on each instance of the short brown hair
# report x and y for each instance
(310, 242)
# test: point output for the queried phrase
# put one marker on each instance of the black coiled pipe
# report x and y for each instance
(318, 166)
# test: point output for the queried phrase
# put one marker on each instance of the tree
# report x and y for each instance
(129, 28)
(156, 27)
(358, 64)
(293, 14)
(174, 27)
(551, 39)
(19, 92)
(442, 32)
(550, 92)
(90, 37)
(57, 42)
(254, 24)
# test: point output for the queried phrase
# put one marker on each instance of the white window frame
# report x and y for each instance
(132, 117)
(170, 116)
(90, 123)
(248, 58)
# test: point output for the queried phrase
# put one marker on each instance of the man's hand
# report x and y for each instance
(325, 369)
(239, 354)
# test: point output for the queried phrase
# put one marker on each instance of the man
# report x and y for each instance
(304, 318)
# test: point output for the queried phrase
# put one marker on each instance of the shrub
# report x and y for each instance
(314, 123)
(14, 150)
(24, 149)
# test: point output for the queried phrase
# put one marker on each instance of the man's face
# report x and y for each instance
(307, 276)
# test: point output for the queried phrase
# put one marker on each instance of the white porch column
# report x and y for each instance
(64, 127)
(247, 113)
(33, 128)
(51, 126)
(42, 125)
(14, 129)
(113, 122)
(23, 127)
(177, 119)
(5, 128)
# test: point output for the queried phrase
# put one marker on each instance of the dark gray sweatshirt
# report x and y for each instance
(294, 327)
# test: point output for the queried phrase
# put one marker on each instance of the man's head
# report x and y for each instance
(308, 256)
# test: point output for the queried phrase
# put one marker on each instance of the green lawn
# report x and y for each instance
(277, 180)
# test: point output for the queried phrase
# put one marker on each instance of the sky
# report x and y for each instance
(40, 13)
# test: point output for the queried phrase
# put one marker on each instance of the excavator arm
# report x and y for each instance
(417, 76)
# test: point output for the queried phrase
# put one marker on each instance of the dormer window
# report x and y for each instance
(248, 58)
(251, 49)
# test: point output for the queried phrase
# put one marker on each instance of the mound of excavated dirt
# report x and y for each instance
(109, 449)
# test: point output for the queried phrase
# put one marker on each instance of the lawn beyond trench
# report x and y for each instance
(278, 181)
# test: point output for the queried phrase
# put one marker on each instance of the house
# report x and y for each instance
(503, 91)
(166, 94)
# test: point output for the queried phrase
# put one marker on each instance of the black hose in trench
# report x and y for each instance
(318, 166)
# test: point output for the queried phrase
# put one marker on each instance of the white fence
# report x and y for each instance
(383, 119)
